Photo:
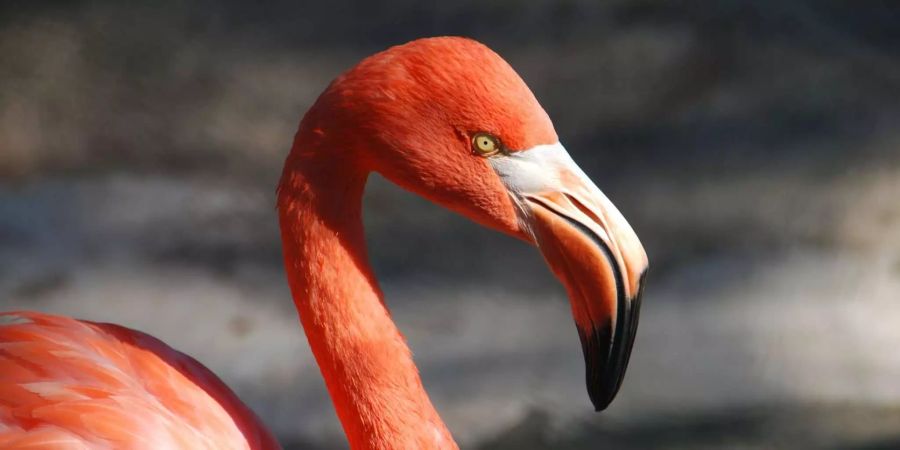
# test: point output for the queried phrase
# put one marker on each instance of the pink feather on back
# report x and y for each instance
(69, 384)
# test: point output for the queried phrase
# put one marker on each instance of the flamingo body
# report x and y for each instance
(69, 384)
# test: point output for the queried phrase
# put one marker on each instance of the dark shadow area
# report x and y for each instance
(789, 427)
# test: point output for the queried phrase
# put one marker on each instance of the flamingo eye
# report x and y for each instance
(485, 144)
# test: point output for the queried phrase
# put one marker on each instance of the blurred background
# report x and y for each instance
(753, 145)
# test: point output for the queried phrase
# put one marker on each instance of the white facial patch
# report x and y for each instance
(540, 169)
(533, 170)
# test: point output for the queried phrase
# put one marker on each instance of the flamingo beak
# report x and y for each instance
(591, 248)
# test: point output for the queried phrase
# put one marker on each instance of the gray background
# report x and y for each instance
(753, 145)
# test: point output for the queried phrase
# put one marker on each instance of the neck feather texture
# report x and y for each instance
(366, 364)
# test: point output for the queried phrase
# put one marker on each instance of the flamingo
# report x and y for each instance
(446, 118)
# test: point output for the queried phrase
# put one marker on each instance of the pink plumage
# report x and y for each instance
(69, 384)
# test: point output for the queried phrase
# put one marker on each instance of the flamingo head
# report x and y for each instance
(449, 119)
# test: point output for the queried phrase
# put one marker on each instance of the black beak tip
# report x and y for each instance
(603, 392)
(601, 406)
(602, 372)
(607, 352)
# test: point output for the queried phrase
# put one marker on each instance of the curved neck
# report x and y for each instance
(366, 364)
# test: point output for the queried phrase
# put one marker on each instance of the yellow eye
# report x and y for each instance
(485, 144)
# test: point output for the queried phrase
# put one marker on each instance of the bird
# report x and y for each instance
(446, 118)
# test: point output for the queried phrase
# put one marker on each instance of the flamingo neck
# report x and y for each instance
(366, 364)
